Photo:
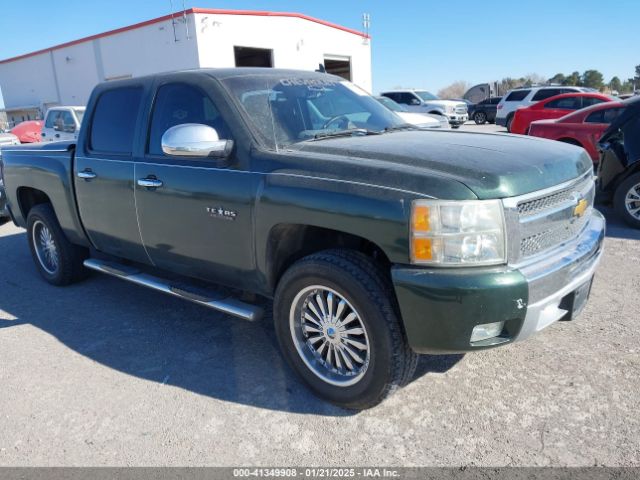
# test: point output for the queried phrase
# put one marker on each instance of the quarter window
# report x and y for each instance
(588, 101)
(178, 103)
(545, 93)
(114, 120)
(517, 95)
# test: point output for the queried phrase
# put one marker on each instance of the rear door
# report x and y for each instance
(198, 220)
(104, 173)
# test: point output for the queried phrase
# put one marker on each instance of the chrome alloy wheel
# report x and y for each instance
(632, 201)
(329, 336)
(45, 247)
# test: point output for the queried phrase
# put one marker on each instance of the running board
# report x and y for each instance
(225, 304)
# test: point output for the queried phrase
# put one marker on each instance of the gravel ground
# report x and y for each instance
(105, 373)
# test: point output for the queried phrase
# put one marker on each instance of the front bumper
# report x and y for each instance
(457, 119)
(440, 307)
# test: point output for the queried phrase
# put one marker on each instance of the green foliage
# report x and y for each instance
(615, 84)
(592, 79)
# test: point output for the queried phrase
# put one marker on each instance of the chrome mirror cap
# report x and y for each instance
(195, 140)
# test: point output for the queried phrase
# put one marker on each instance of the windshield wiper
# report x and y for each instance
(404, 126)
(350, 132)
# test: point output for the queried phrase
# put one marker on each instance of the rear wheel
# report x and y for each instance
(626, 200)
(58, 260)
(480, 118)
(509, 122)
(336, 322)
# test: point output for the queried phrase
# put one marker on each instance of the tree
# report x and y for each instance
(455, 90)
(558, 78)
(592, 79)
(627, 87)
(573, 79)
(615, 84)
(534, 79)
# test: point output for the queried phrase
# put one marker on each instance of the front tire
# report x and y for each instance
(336, 323)
(56, 258)
(626, 200)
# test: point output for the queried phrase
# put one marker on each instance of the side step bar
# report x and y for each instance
(228, 305)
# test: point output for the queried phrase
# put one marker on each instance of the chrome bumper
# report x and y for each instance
(560, 274)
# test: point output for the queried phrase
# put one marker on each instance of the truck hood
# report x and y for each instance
(490, 165)
(418, 119)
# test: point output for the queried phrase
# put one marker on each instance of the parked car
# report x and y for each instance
(422, 101)
(422, 120)
(526, 96)
(582, 128)
(554, 107)
(6, 139)
(619, 169)
(356, 224)
(28, 131)
(485, 111)
(62, 123)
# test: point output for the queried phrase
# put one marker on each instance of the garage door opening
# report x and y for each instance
(340, 66)
(253, 57)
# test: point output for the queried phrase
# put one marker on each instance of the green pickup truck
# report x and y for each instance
(376, 240)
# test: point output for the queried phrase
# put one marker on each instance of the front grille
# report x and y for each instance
(542, 223)
(461, 110)
(551, 237)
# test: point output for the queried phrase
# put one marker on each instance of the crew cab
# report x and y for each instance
(421, 101)
(377, 241)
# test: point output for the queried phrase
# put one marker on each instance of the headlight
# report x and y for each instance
(451, 109)
(457, 233)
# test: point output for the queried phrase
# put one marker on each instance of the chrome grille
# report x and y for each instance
(461, 109)
(539, 223)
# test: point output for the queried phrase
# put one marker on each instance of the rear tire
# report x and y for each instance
(509, 122)
(57, 259)
(356, 364)
(626, 200)
(480, 118)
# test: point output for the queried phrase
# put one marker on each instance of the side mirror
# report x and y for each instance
(414, 101)
(604, 146)
(195, 140)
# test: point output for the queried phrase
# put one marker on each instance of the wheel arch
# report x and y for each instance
(289, 242)
(29, 197)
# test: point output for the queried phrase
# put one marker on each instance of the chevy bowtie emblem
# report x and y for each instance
(580, 208)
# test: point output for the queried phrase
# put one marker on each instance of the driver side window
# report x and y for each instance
(178, 103)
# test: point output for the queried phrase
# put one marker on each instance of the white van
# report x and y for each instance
(62, 123)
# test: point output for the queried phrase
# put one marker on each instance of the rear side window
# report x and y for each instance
(393, 96)
(517, 95)
(114, 120)
(604, 116)
(545, 93)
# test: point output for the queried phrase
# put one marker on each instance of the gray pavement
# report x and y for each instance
(105, 373)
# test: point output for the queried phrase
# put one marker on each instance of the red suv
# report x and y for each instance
(554, 107)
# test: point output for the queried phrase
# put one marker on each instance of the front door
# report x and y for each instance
(104, 174)
(197, 220)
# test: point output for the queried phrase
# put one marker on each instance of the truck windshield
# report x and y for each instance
(288, 110)
(426, 96)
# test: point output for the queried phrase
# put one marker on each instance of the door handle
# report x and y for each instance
(87, 174)
(150, 182)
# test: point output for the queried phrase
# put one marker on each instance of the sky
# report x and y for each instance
(422, 44)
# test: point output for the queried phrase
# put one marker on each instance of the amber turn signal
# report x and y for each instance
(420, 220)
(422, 248)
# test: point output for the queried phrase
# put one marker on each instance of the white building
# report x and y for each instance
(196, 38)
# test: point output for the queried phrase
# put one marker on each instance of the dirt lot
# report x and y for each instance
(105, 373)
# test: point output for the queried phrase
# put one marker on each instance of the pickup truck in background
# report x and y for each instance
(377, 240)
(62, 123)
